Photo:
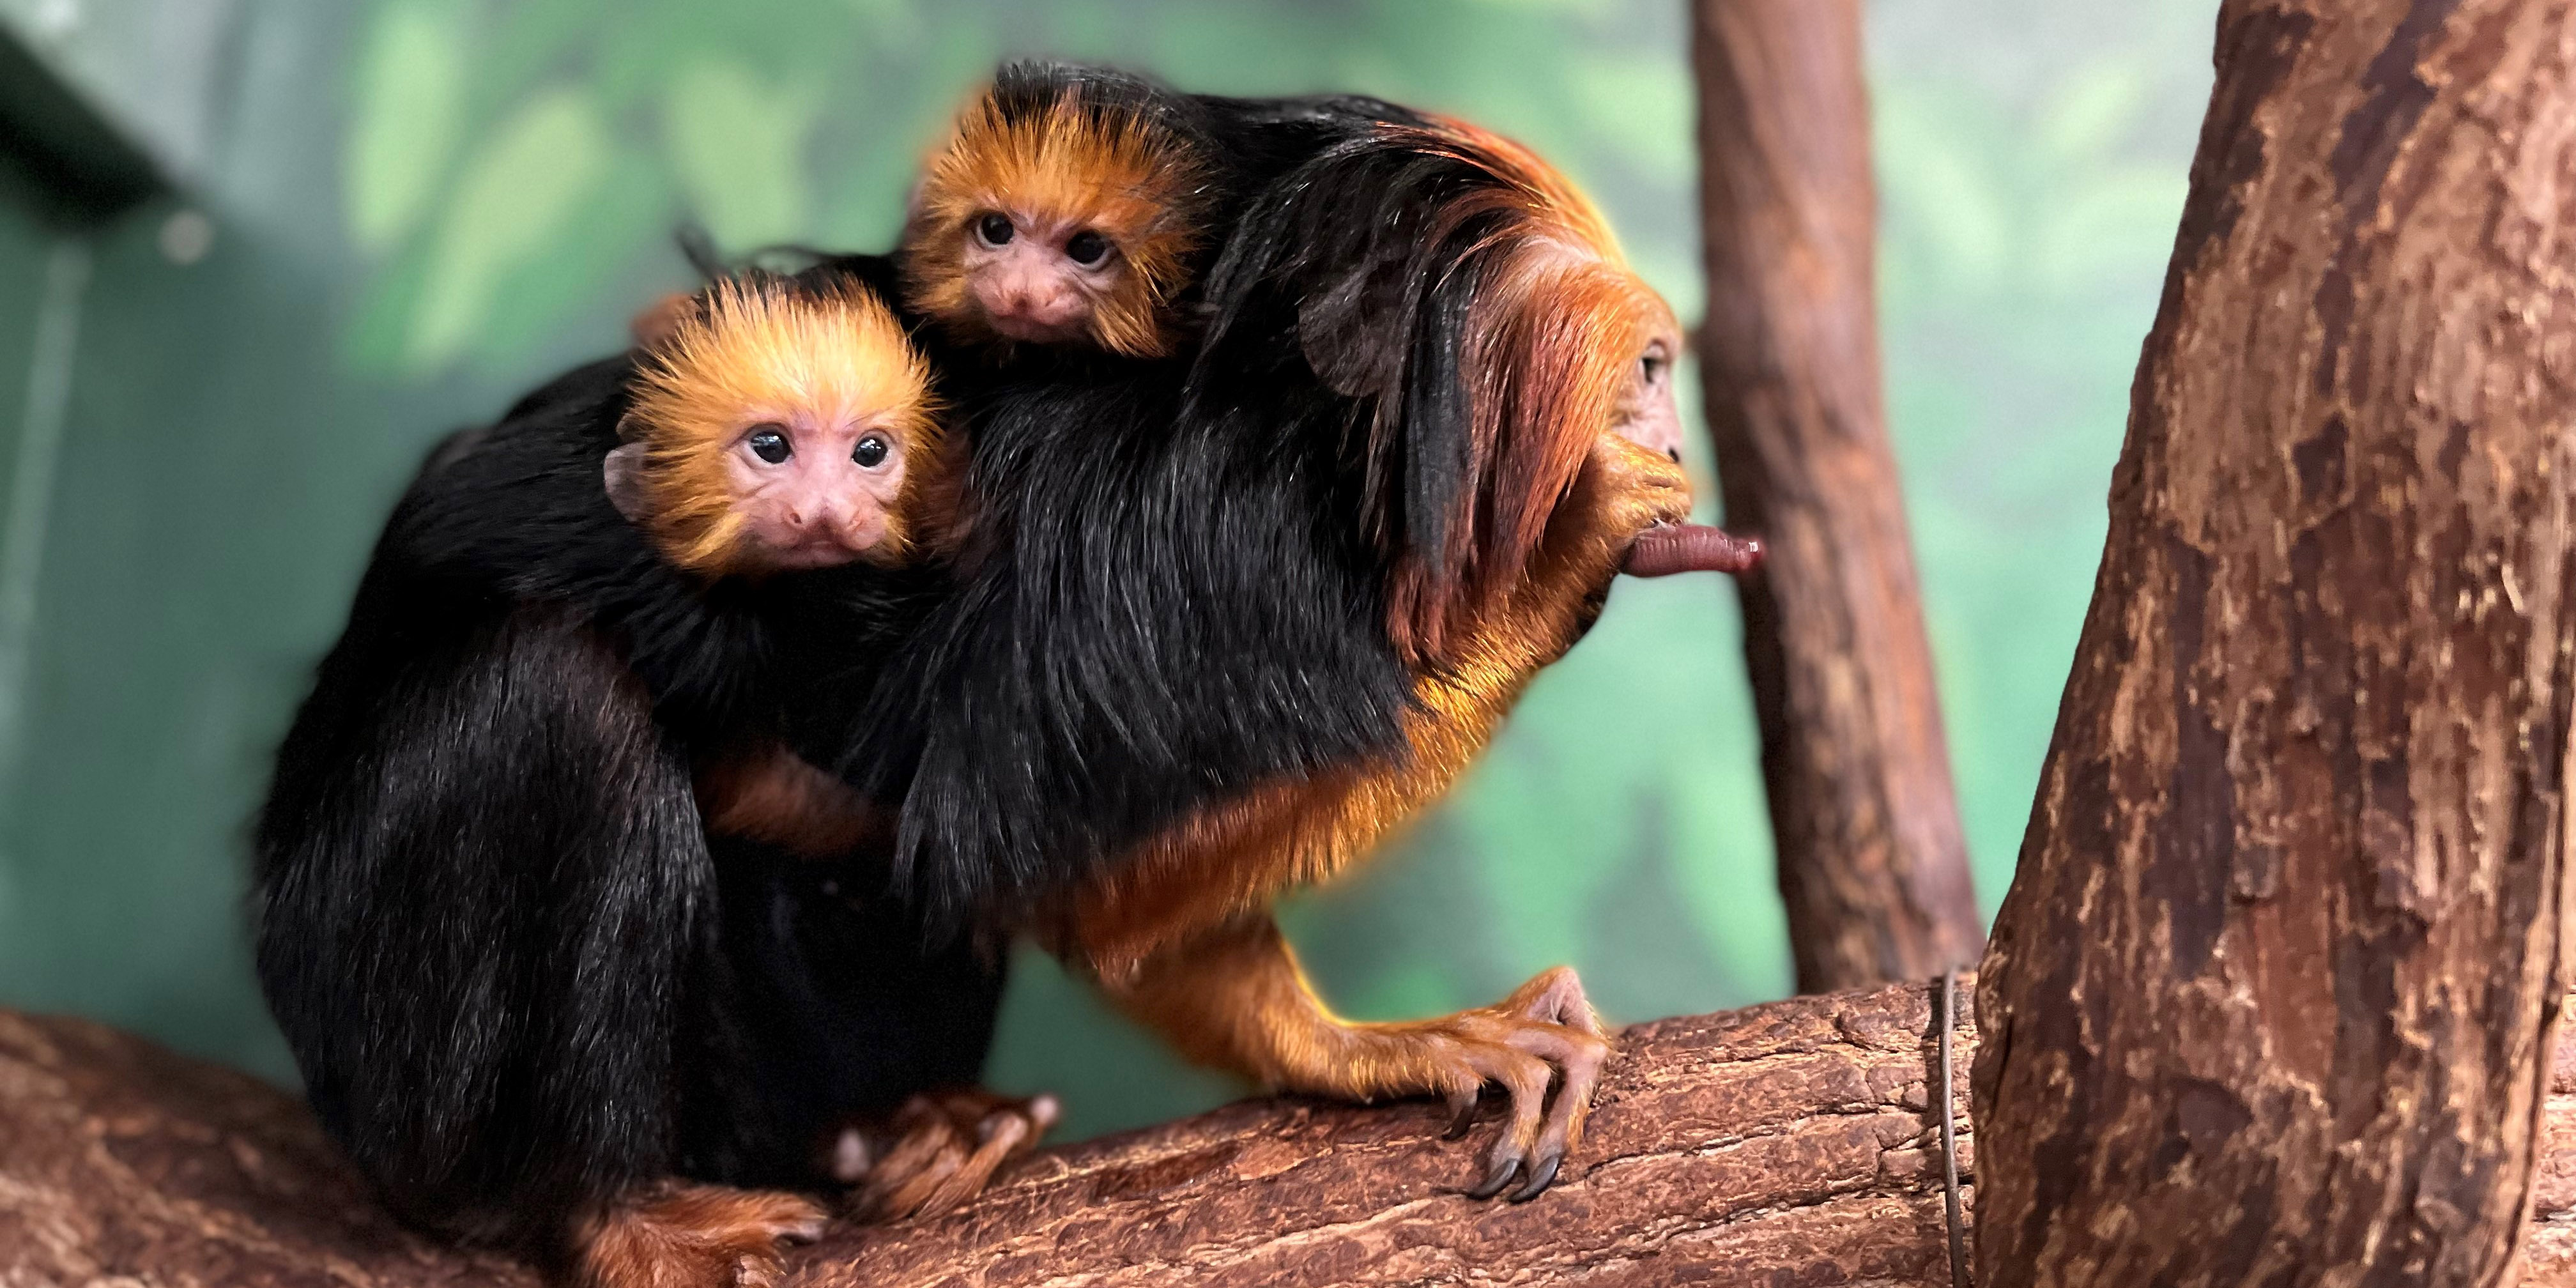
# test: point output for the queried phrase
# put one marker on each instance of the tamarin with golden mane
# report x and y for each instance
(525, 996)
(1242, 613)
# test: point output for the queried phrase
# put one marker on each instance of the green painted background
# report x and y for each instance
(420, 207)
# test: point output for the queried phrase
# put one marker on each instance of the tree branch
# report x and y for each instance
(1873, 866)
(1781, 1144)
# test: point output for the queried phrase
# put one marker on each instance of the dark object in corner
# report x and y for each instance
(54, 140)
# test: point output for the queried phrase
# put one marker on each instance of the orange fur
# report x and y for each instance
(1116, 173)
(756, 350)
(1225, 862)
(777, 797)
(1177, 932)
(1234, 998)
(1553, 336)
(679, 1235)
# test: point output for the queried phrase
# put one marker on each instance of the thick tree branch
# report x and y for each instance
(2272, 992)
(1873, 867)
(1781, 1144)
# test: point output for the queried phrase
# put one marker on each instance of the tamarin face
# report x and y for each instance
(1040, 276)
(1060, 212)
(778, 427)
(1647, 413)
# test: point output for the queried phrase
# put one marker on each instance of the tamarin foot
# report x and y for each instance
(1544, 1032)
(937, 1151)
(678, 1235)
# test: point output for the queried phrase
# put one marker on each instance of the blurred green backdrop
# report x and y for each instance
(386, 217)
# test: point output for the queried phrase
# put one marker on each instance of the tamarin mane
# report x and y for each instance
(762, 348)
(1091, 153)
(1552, 342)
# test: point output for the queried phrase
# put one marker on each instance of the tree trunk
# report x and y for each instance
(2271, 998)
(1873, 867)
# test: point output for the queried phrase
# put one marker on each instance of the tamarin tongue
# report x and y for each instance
(1669, 548)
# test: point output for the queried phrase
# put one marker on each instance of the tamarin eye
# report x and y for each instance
(994, 230)
(870, 453)
(770, 445)
(1086, 248)
(1652, 365)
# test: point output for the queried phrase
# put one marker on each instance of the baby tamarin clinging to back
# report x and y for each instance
(1079, 206)
(1074, 208)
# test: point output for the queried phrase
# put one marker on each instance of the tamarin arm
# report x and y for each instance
(1234, 998)
(772, 795)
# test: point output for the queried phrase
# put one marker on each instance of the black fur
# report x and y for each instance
(1168, 610)
(1182, 593)
(487, 917)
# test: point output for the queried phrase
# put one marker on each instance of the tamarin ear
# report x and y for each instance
(624, 474)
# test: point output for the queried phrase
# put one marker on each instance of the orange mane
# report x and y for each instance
(1553, 337)
(1103, 166)
(761, 349)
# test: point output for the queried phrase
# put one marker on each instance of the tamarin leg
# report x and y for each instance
(853, 1048)
(1233, 997)
(486, 908)
(482, 890)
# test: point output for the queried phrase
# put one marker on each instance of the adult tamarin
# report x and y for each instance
(523, 995)
(1236, 614)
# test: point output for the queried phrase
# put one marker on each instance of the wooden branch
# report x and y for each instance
(1873, 867)
(1781, 1144)
(2274, 987)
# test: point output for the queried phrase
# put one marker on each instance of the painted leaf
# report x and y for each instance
(736, 144)
(409, 90)
(515, 197)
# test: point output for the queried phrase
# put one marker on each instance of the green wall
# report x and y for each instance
(419, 207)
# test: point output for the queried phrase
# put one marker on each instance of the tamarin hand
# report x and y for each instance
(1545, 1031)
(937, 1151)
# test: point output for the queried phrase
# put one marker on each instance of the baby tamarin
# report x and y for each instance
(1075, 208)
(524, 996)
(1079, 206)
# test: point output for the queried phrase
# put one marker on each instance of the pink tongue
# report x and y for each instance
(1691, 547)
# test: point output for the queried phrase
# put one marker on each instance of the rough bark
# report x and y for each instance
(1873, 867)
(2272, 993)
(1787, 1144)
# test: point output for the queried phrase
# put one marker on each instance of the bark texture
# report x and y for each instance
(1873, 867)
(2271, 998)
(1787, 1145)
